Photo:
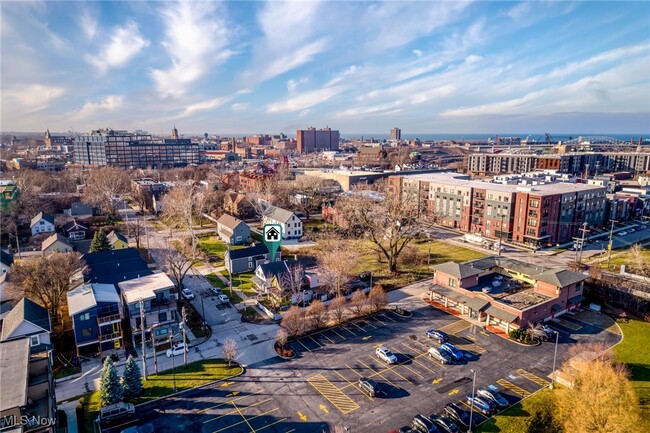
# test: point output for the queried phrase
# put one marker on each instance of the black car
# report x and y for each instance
(423, 424)
(369, 386)
(445, 424)
(439, 336)
(458, 414)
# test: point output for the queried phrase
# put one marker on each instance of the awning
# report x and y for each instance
(556, 307)
(500, 314)
(576, 300)
(448, 293)
(477, 304)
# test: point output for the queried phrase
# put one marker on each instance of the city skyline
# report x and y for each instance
(463, 67)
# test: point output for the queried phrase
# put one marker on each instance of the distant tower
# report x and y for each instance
(175, 133)
(48, 138)
(396, 134)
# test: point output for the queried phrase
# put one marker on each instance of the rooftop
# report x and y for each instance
(25, 310)
(89, 295)
(229, 221)
(114, 266)
(457, 270)
(14, 358)
(144, 287)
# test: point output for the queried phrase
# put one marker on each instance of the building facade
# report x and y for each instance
(396, 134)
(314, 140)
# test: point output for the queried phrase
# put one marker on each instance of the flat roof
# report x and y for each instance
(14, 358)
(145, 287)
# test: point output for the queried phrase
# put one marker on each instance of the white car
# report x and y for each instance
(187, 294)
(386, 355)
(223, 299)
(176, 349)
(622, 233)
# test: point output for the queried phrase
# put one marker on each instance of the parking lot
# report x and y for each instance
(319, 388)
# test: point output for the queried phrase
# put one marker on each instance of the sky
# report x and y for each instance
(270, 67)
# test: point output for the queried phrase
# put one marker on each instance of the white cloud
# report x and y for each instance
(125, 43)
(196, 39)
(31, 98)
(210, 104)
(517, 12)
(304, 100)
(473, 58)
(88, 25)
(109, 103)
(239, 107)
(418, 53)
(292, 84)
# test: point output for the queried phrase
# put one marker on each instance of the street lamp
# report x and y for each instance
(171, 343)
(471, 406)
(557, 338)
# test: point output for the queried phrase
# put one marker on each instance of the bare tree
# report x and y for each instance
(390, 223)
(317, 314)
(230, 350)
(377, 298)
(338, 307)
(179, 210)
(46, 279)
(135, 229)
(292, 320)
(307, 190)
(177, 264)
(536, 331)
(282, 337)
(337, 262)
(104, 186)
(639, 263)
(261, 194)
(294, 279)
(359, 302)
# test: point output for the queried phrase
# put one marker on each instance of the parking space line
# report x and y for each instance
(354, 323)
(346, 328)
(333, 394)
(385, 316)
(273, 423)
(352, 384)
(377, 373)
(415, 359)
(374, 317)
(514, 388)
(368, 323)
(332, 329)
(392, 370)
(566, 324)
(455, 327)
(246, 420)
(299, 342)
(230, 401)
(533, 378)
(235, 411)
(327, 338)
(312, 339)
(354, 371)
(476, 413)
(406, 366)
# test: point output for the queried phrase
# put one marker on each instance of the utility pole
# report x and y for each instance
(146, 234)
(230, 271)
(18, 243)
(582, 241)
(144, 345)
(609, 245)
(500, 233)
(184, 338)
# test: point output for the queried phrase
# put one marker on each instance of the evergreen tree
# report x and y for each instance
(110, 386)
(132, 379)
(100, 242)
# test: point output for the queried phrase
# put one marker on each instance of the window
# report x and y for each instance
(87, 332)
(534, 203)
(85, 316)
(452, 282)
(162, 317)
(34, 340)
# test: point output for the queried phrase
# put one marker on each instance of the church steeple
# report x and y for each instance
(175, 133)
(47, 134)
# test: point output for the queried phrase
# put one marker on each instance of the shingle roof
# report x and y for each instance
(78, 208)
(40, 216)
(14, 357)
(114, 236)
(6, 258)
(89, 295)
(500, 314)
(255, 250)
(457, 270)
(560, 277)
(114, 266)
(229, 221)
(25, 310)
(274, 268)
(74, 225)
(278, 214)
(52, 239)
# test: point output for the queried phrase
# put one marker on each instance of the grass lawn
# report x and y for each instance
(67, 371)
(216, 281)
(624, 258)
(213, 246)
(515, 419)
(242, 282)
(196, 374)
(635, 337)
(145, 256)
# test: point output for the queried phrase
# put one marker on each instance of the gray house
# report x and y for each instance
(233, 230)
(247, 259)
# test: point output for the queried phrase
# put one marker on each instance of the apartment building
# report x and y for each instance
(314, 140)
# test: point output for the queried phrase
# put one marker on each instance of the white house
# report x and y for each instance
(291, 224)
(42, 223)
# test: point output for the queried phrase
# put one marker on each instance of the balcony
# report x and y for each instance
(104, 320)
(111, 336)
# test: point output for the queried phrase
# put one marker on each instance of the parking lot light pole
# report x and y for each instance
(471, 406)
(557, 338)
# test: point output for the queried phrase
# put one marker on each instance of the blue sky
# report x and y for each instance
(248, 67)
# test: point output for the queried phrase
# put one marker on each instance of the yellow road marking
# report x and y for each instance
(380, 373)
(566, 324)
(424, 366)
(229, 402)
(533, 378)
(367, 337)
(308, 349)
(338, 334)
(232, 394)
(333, 394)
(514, 388)
(235, 411)
(302, 417)
(406, 366)
(456, 327)
(275, 422)
(484, 333)
(319, 345)
(226, 384)
(354, 371)
(245, 420)
(289, 431)
(436, 381)
(454, 391)
(324, 408)
(471, 337)
(352, 384)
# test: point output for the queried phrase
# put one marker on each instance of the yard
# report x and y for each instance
(213, 246)
(515, 419)
(216, 281)
(624, 258)
(196, 374)
(242, 282)
(635, 336)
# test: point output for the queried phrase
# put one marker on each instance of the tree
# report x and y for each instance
(337, 261)
(317, 314)
(230, 350)
(110, 386)
(338, 307)
(639, 263)
(177, 264)
(359, 302)
(389, 223)
(104, 186)
(308, 190)
(282, 337)
(294, 279)
(292, 320)
(601, 400)
(46, 280)
(179, 210)
(132, 379)
(536, 331)
(100, 242)
(262, 194)
(135, 229)
(377, 298)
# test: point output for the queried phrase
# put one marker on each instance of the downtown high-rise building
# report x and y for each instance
(314, 140)
(396, 134)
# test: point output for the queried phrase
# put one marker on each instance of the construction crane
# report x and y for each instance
(72, 130)
(548, 137)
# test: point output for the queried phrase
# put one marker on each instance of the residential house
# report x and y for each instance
(57, 243)
(117, 240)
(291, 224)
(9, 193)
(79, 210)
(42, 223)
(28, 320)
(96, 315)
(75, 231)
(151, 298)
(281, 279)
(232, 230)
(238, 205)
(157, 201)
(248, 259)
(28, 401)
(112, 267)
(504, 292)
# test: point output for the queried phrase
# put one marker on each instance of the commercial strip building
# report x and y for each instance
(537, 215)
(504, 292)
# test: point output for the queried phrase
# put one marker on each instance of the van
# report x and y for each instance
(116, 410)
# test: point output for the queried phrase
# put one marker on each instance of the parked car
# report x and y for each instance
(385, 355)
(481, 405)
(440, 356)
(494, 397)
(116, 410)
(369, 386)
(423, 424)
(223, 299)
(405, 429)
(439, 336)
(187, 294)
(445, 424)
(176, 349)
(458, 414)
(452, 351)
(216, 290)
(622, 233)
